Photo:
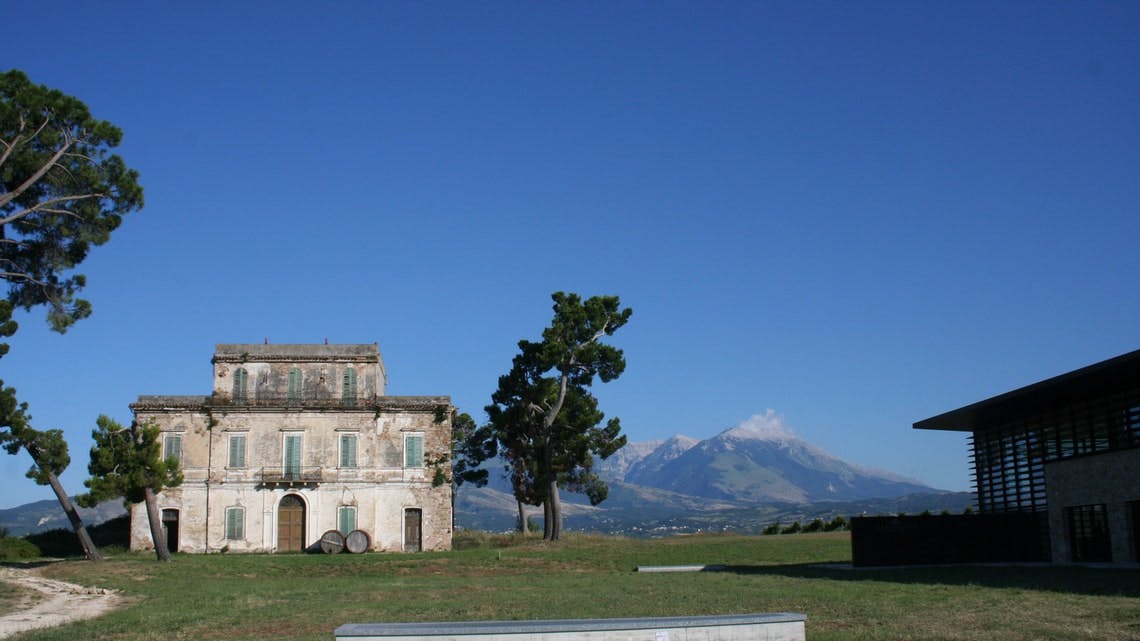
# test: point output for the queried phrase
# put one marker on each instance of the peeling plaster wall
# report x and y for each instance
(379, 485)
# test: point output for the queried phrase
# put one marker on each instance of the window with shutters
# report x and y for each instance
(292, 460)
(413, 450)
(295, 383)
(237, 450)
(235, 523)
(172, 447)
(348, 393)
(346, 518)
(347, 450)
(240, 384)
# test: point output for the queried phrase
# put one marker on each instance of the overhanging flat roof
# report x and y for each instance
(1106, 377)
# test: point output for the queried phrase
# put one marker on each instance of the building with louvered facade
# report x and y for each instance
(1067, 450)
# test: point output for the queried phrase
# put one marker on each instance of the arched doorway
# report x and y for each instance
(291, 524)
(413, 529)
(170, 529)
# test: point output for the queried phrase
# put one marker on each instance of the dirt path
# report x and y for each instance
(57, 602)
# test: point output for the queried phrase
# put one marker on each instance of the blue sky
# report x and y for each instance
(858, 215)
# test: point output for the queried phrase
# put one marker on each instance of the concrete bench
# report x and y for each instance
(782, 626)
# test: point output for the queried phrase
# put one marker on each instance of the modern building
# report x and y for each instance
(296, 441)
(1066, 449)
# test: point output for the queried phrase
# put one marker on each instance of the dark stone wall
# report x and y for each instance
(951, 538)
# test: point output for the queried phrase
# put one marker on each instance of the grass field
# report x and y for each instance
(305, 597)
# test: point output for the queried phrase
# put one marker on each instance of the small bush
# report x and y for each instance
(18, 549)
(838, 523)
(815, 526)
(774, 528)
(792, 529)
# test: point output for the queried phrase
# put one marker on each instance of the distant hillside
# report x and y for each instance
(41, 516)
(758, 462)
(740, 480)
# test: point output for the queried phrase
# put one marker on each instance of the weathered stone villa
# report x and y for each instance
(295, 441)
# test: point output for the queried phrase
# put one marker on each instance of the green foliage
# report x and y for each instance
(18, 549)
(543, 420)
(773, 528)
(47, 448)
(839, 523)
(794, 528)
(815, 525)
(61, 192)
(471, 445)
(125, 462)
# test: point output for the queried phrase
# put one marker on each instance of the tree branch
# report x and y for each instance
(45, 206)
(69, 141)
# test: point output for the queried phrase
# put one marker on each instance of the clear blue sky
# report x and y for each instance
(858, 215)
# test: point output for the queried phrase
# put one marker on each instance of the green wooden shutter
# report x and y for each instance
(293, 456)
(348, 391)
(235, 523)
(295, 383)
(346, 519)
(348, 450)
(237, 450)
(414, 451)
(239, 384)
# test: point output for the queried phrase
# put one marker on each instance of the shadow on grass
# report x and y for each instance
(1067, 579)
(28, 565)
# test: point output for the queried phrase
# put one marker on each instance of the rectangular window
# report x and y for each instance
(235, 523)
(240, 382)
(237, 450)
(414, 450)
(1088, 533)
(348, 450)
(348, 393)
(295, 383)
(292, 459)
(346, 519)
(172, 447)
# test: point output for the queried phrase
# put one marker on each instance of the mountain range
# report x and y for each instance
(742, 479)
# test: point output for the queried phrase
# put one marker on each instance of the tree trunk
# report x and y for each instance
(156, 533)
(553, 525)
(522, 517)
(89, 550)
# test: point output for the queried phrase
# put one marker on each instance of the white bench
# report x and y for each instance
(781, 626)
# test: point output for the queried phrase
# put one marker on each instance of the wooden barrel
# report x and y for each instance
(357, 541)
(332, 542)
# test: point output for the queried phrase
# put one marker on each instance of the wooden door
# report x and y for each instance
(413, 530)
(291, 524)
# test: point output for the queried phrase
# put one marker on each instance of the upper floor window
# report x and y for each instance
(291, 462)
(172, 447)
(237, 450)
(295, 381)
(235, 523)
(349, 385)
(347, 450)
(241, 384)
(413, 450)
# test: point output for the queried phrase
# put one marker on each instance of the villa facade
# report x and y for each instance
(295, 441)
